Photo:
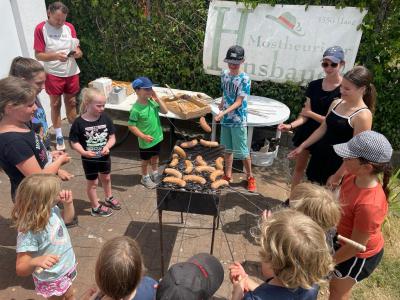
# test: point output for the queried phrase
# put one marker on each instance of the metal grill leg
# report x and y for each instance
(213, 235)
(161, 242)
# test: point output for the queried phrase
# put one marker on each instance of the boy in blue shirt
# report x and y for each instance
(235, 87)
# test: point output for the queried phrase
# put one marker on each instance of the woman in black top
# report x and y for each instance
(320, 94)
(347, 117)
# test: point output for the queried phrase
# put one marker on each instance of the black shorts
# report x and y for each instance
(358, 268)
(146, 154)
(94, 166)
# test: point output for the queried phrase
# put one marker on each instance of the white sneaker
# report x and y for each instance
(147, 182)
(60, 145)
(156, 178)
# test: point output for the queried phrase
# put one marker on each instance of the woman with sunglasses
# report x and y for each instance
(346, 118)
(320, 94)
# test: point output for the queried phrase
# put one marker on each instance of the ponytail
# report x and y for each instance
(387, 173)
(360, 76)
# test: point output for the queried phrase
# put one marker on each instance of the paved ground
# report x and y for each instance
(239, 212)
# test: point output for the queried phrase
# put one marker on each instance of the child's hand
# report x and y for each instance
(92, 294)
(148, 138)
(235, 271)
(55, 154)
(45, 261)
(105, 151)
(154, 95)
(65, 196)
(284, 127)
(219, 117)
(89, 154)
(64, 158)
(239, 287)
(64, 175)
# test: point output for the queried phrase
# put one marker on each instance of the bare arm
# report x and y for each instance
(26, 264)
(31, 166)
(163, 107)
(346, 251)
(50, 56)
(66, 199)
(238, 102)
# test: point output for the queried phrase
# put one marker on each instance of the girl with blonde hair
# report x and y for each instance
(92, 135)
(294, 257)
(44, 247)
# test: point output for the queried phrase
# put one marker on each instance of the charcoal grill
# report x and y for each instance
(193, 198)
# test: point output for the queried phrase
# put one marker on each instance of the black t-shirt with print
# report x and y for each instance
(15, 148)
(92, 136)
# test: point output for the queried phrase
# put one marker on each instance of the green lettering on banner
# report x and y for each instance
(219, 30)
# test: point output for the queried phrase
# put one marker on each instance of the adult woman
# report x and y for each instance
(21, 151)
(320, 94)
(347, 117)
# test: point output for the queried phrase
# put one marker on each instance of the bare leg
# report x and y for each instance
(55, 102)
(70, 107)
(105, 180)
(228, 164)
(91, 190)
(300, 167)
(144, 166)
(340, 289)
(154, 163)
(247, 166)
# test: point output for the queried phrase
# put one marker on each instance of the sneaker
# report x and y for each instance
(60, 146)
(113, 203)
(101, 211)
(229, 179)
(251, 184)
(156, 178)
(147, 182)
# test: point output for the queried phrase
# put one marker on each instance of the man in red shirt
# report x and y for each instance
(56, 44)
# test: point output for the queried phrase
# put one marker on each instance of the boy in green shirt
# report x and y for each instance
(144, 122)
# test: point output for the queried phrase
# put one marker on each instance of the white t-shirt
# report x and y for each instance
(51, 39)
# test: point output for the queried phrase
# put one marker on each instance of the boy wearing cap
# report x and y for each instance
(364, 204)
(235, 87)
(144, 122)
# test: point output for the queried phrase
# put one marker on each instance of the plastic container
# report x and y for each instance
(103, 84)
(264, 159)
(117, 95)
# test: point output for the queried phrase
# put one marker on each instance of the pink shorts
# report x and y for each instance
(55, 85)
(56, 287)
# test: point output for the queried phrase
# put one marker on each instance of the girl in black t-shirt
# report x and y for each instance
(320, 94)
(21, 151)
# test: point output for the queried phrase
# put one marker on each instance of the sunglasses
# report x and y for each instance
(325, 65)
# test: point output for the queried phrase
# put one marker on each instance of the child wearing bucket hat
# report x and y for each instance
(198, 278)
(295, 258)
(364, 207)
(235, 87)
(319, 94)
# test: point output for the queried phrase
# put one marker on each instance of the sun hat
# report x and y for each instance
(369, 145)
(234, 55)
(198, 278)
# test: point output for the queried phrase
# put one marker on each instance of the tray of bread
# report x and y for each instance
(187, 106)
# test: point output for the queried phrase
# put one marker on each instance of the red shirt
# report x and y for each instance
(364, 209)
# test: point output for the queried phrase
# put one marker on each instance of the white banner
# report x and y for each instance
(283, 42)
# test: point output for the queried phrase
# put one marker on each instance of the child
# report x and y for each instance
(43, 245)
(197, 278)
(119, 273)
(320, 94)
(233, 114)
(144, 122)
(295, 258)
(21, 151)
(319, 204)
(33, 72)
(92, 135)
(364, 203)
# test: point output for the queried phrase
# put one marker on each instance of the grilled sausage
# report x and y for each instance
(194, 178)
(178, 150)
(173, 172)
(219, 163)
(215, 174)
(209, 144)
(217, 184)
(188, 167)
(204, 125)
(190, 144)
(200, 161)
(174, 180)
(209, 169)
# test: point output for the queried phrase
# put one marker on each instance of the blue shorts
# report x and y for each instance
(235, 141)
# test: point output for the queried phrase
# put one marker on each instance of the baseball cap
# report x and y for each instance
(334, 54)
(196, 279)
(142, 83)
(234, 55)
(369, 145)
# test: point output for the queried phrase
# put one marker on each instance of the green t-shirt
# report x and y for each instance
(145, 118)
